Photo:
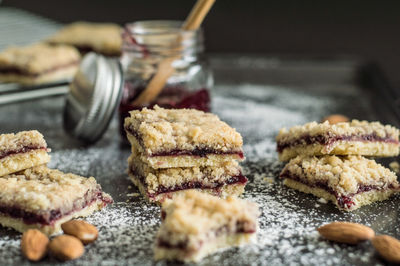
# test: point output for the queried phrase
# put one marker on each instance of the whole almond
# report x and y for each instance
(82, 230)
(345, 232)
(336, 118)
(388, 247)
(34, 244)
(66, 247)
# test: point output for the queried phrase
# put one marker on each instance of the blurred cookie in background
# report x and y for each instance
(102, 38)
(38, 64)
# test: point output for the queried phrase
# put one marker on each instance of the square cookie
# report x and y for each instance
(159, 184)
(195, 225)
(167, 138)
(22, 150)
(44, 198)
(349, 182)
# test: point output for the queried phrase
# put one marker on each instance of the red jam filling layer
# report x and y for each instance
(23, 72)
(344, 201)
(329, 140)
(171, 98)
(19, 151)
(239, 179)
(50, 217)
(196, 152)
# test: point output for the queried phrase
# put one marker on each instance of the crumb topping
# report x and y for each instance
(101, 37)
(196, 213)
(14, 142)
(343, 175)
(162, 130)
(38, 58)
(43, 189)
(354, 127)
(171, 177)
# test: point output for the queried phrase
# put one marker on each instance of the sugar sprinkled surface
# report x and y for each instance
(287, 232)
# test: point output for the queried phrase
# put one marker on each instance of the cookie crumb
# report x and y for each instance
(322, 200)
(134, 194)
(269, 180)
(395, 167)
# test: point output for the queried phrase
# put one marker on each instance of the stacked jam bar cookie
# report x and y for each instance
(34, 196)
(326, 160)
(195, 224)
(178, 149)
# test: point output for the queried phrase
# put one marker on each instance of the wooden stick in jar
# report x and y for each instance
(197, 14)
(165, 68)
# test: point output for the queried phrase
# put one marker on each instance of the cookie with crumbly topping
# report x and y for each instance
(44, 198)
(196, 224)
(165, 138)
(345, 138)
(349, 181)
(22, 150)
(164, 183)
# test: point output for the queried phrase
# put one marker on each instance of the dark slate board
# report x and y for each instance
(256, 95)
(269, 94)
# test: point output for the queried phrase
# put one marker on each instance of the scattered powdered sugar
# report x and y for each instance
(288, 219)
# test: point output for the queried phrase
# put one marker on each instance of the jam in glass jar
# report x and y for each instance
(146, 44)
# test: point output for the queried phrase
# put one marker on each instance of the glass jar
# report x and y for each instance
(146, 44)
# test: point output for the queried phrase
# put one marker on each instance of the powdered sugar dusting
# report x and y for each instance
(287, 232)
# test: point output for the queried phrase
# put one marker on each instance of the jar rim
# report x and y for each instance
(157, 27)
(161, 37)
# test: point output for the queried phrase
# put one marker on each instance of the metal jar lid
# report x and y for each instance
(94, 95)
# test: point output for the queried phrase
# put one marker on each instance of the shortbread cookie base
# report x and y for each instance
(20, 226)
(20, 161)
(214, 245)
(378, 149)
(223, 192)
(360, 199)
(214, 160)
(173, 161)
(65, 73)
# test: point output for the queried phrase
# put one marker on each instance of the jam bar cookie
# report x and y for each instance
(38, 63)
(346, 138)
(103, 38)
(21, 151)
(350, 182)
(159, 184)
(44, 198)
(165, 138)
(196, 224)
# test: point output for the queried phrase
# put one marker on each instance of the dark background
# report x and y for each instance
(369, 29)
